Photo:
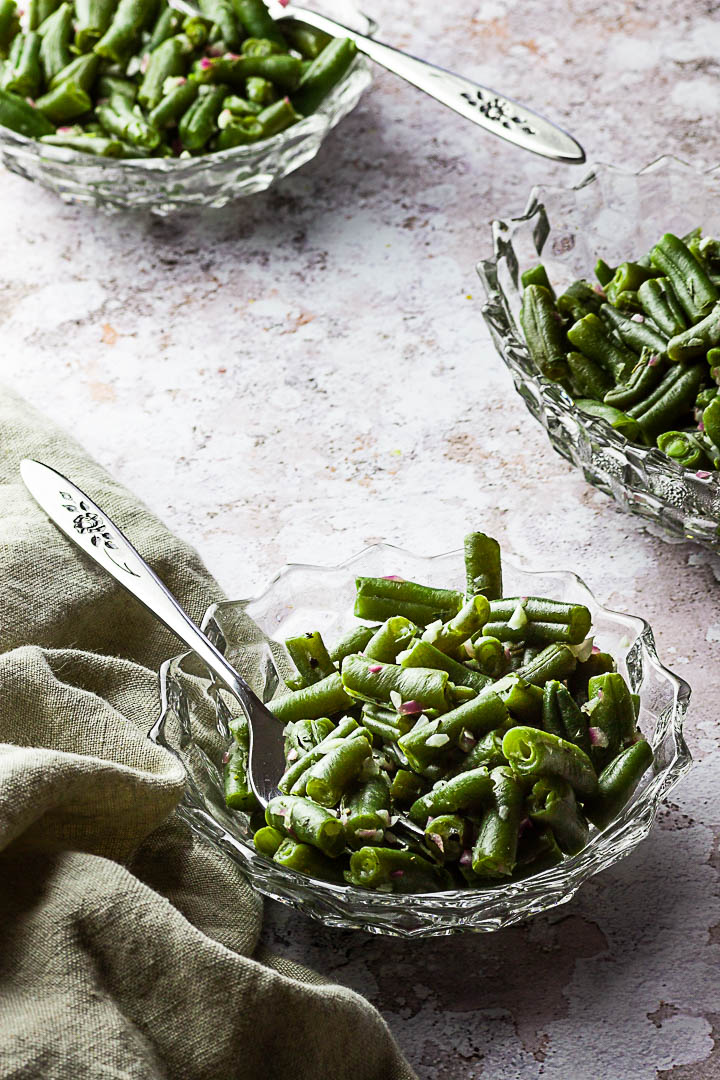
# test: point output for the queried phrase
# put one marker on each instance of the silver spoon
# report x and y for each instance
(500, 115)
(76, 515)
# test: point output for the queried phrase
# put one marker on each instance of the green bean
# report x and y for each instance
(84, 142)
(9, 25)
(554, 662)
(422, 654)
(168, 60)
(283, 71)
(126, 122)
(311, 658)
(371, 681)
(398, 871)
(198, 123)
(621, 422)
(561, 716)
(93, 17)
(306, 40)
(617, 782)
(487, 753)
(634, 331)
(256, 21)
(610, 710)
(18, 115)
(40, 10)
(466, 791)
(535, 620)
(406, 786)
(305, 734)
(325, 72)
(449, 636)
(662, 305)
(590, 337)
(178, 96)
(642, 381)
(698, 339)
(330, 777)
(543, 329)
(598, 663)
(711, 420)
(238, 793)
(307, 822)
(489, 652)
(168, 23)
(689, 280)
(604, 273)
(306, 859)
(429, 739)
(537, 851)
(483, 566)
(685, 448)
(532, 752)
(267, 840)
(629, 277)
(123, 33)
(552, 803)
(277, 117)
(670, 401)
(237, 131)
(390, 639)
(381, 598)
(260, 91)
(446, 837)
(65, 102)
(588, 378)
(578, 300)
(537, 275)
(222, 14)
(310, 702)
(495, 849)
(305, 743)
(366, 812)
(81, 72)
(23, 72)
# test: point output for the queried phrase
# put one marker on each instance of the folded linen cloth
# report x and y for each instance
(126, 943)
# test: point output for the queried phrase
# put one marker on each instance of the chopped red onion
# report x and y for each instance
(467, 740)
(226, 757)
(702, 474)
(437, 841)
(599, 290)
(231, 56)
(144, 63)
(637, 317)
(597, 737)
(397, 873)
(369, 834)
(653, 360)
(701, 426)
(392, 577)
(374, 668)
(293, 754)
(409, 708)
(596, 648)
(466, 857)
(600, 694)
(205, 63)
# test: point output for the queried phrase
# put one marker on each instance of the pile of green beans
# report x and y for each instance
(492, 723)
(640, 347)
(134, 78)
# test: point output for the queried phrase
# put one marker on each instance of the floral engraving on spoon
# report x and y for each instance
(87, 521)
(494, 108)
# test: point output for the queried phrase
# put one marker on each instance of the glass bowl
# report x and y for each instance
(617, 215)
(193, 726)
(164, 185)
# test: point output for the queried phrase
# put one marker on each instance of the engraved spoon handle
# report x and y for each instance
(498, 114)
(82, 521)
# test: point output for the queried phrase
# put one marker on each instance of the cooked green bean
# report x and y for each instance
(618, 781)
(495, 849)
(690, 282)
(590, 337)
(381, 598)
(325, 72)
(544, 334)
(483, 566)
(495, 775)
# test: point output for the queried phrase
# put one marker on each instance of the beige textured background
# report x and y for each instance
(308, 371)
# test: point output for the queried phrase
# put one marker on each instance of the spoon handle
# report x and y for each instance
(80, 519)
(500, 115)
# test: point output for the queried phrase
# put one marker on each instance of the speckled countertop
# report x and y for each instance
(308, 371)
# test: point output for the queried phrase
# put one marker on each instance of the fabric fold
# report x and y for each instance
(126, 942)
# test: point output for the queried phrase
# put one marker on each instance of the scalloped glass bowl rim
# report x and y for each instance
(597, 855)
(558, 396)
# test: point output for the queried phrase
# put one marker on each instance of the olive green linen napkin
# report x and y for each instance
(126, 944)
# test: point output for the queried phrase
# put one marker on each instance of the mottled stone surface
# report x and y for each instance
(308, 371)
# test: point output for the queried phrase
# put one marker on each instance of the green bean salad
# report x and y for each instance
(134, 78)
(639, 348)
(493, 723)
